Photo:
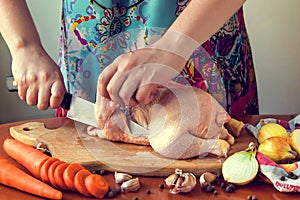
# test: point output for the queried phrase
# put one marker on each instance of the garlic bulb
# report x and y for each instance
(271, 130)
(185, 183)
(277, 149)
(241, 167)
(181, 182)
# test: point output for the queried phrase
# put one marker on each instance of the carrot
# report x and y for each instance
(14, 177)
(79, 182)
(45, 168)
(51, 170)
(70, 173)
(58, 176)
(96, 185)
(26, 155)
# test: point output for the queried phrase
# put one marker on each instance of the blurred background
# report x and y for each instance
(273, 27)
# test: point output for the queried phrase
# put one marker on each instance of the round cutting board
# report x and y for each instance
(71, 143)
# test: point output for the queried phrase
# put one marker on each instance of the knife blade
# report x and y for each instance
(81, 110)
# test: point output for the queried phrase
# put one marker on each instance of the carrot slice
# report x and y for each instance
(14, 177)
(79, 182)
(58, 176)
(96, 185)
(51, 170)
(70, 173)
(31, 158)
(45, 168)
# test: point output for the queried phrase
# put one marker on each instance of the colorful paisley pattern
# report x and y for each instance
(95, 32)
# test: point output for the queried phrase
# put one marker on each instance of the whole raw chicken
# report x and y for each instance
(182, 122)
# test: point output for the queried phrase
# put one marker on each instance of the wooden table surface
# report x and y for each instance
(262, 190)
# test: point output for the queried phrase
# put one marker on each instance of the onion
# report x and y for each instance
(294, 140)
(271, 130)
(277, 149)
(241, 167)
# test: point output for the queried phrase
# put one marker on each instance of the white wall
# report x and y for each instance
(274, 29)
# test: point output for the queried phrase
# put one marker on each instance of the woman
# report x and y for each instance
(95, 33)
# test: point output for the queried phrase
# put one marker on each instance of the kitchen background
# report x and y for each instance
(274, 30)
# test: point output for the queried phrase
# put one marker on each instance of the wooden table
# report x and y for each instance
(262, 190)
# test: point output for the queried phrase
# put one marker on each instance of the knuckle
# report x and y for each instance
(57, 74)
(32, 78)
(126, 63)
(101, 79)
(44, 76)
(22, 81)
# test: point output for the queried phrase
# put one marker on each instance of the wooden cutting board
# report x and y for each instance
(71, 143)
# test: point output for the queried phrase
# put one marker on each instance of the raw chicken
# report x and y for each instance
(182, 122)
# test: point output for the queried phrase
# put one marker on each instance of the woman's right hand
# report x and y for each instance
(38, 78)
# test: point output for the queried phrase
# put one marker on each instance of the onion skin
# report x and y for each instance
(277, 149)
(271, 130)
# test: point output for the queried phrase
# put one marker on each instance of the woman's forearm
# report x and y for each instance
(17, 26)
(195, 25)
(202, 18)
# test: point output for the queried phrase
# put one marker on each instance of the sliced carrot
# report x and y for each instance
(14, 177)
(79, 182)
(45, 169)
(58, 176)
(96, 185)
(31, 158)
(51, 170)
(70, 173)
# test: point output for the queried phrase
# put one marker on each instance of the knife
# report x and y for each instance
(81, 110)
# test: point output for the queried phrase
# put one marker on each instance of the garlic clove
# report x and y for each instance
(171, 180)
(130, 185)
(121, 177)
(179, 182)
(277, 149)
(271, 130)
(206, 178)
(189, 180)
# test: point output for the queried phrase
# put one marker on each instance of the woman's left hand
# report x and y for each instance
(133, 77)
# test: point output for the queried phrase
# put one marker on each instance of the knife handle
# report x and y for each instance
(65, 104)
(12, 86)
